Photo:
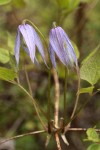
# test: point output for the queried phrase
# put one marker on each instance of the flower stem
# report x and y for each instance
(22, 135)
(76, 114)
(28, 82)
(49, 99)
(77, 96)
(34, 103)
(65, 89)
(57, 95)
(58, 141)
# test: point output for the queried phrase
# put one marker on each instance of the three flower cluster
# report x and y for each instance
(59, 44)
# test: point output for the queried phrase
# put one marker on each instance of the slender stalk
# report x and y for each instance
(57, 95)
(58, 141)
(34, 103)
(18, 81)
(49, 100)
(28, 82)
(65, 89)
(77, 96)
(79, 110)
(22, 135)
(81, 129)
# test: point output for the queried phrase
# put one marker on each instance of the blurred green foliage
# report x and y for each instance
(81, 20)
(94, 147)
(92, 135)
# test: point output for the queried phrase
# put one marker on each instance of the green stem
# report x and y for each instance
(49, 99)
(65, 90)
(28, 82)
(34, 103)
(76, 114)
(77, 96)
(22, 135)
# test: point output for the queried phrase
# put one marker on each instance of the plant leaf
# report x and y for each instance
(7, 74)
(94, 147)
(74, 4)
(90, 70)
(18, 3)
(4, 2)
(92, 135)
(63, 3)
(4, 56)
(87, 90)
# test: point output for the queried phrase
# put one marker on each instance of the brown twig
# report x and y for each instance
(22, 135)
(58, 141)
(81, 129)
(57, 93)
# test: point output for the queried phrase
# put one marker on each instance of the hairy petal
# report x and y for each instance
(61, 45)
(52, 55)
(39, 45)
(17, 47)
(56, 42)
(28, 36)
(69, 48)
(27, 51)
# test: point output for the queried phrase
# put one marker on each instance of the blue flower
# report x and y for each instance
(61, 45)
(27, 34)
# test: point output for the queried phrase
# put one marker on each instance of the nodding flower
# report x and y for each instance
(60, 44)
(26, 34)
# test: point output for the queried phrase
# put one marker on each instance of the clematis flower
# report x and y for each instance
(61, 45)
(31, 40)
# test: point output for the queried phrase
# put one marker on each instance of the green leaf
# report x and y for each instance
(74, 4)
(4, 55)
(18, 3)
(87, 90)
(63, 3)
(91, 54)
(92, 135)
(94, 147)
(10, 43)
(90, 70)
(4, 2)
(7, 74)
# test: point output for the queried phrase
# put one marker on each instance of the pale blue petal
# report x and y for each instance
(62, 42)
(39, 45)
(56, 41)
(69, 49)
(52, 56)
(61, 45)
(17, 47)
(27, 51)
(28, 36)
(36, 61)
